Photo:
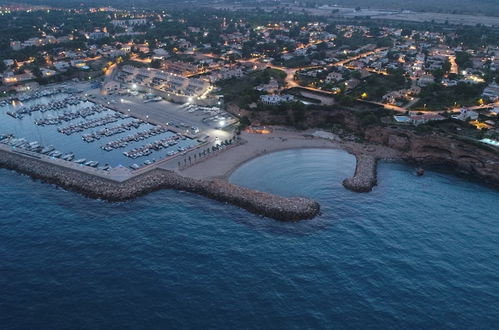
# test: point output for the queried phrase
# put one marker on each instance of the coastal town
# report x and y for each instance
(249, 164)
(116, 93)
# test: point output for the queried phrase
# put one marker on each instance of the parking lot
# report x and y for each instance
(211, 125)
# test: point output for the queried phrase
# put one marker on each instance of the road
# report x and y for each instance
(291, 72)
(454, 110)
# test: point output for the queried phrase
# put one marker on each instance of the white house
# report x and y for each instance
(276, 99)
(334, 77)
(491, 92)
(466, 114)
(61, 65)
(423, 119)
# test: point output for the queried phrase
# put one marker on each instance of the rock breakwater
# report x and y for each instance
(364, 178)
(269, 205)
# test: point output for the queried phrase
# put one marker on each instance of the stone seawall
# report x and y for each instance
(364, 178)
(269, 205)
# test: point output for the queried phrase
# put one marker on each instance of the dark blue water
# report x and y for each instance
(414, 253)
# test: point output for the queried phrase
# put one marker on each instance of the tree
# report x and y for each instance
(244, 122)
(463, 59)
(156, 64)
(298, 109)
(438, 74)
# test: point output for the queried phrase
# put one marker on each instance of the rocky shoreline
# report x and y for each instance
(475, 161)
(265, 204)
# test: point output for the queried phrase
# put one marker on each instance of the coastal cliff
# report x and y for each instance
(269, 205)
(464, 157)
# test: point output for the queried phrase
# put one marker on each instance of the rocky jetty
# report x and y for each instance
(364, 178)
(269, 205)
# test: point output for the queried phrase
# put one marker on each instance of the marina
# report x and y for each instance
(61, 123)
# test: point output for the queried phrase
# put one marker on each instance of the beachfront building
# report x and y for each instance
(11, 78)
(163, 81)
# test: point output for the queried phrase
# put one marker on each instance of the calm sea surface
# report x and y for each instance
(417, 252)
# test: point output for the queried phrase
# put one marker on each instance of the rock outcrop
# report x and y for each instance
(465, 157)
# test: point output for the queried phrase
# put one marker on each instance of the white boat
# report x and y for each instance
(154, 99)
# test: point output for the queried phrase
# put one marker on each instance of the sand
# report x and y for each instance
(256, 145)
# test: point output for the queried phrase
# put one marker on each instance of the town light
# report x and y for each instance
(134, 86)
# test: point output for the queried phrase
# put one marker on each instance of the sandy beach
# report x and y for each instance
(256, 145)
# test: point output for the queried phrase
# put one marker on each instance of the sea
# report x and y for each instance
(417, 252)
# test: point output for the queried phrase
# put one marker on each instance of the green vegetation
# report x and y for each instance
(242, 91)
(439, 97)
(376, 85)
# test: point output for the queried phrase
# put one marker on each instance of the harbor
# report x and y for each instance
(63, 123)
